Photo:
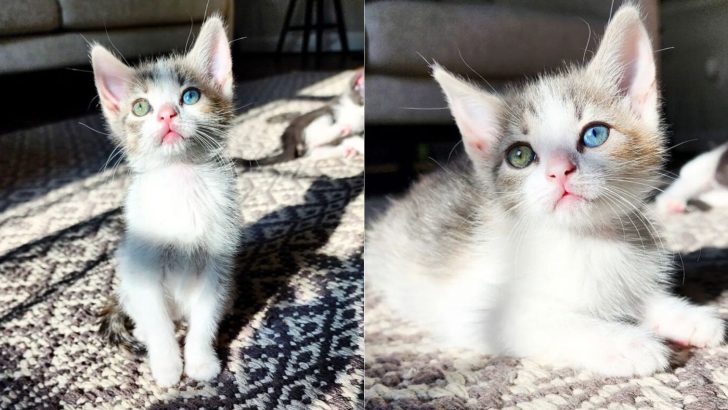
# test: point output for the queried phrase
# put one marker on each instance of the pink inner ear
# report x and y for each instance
(220, 60)
(477, 145)
(112, 77)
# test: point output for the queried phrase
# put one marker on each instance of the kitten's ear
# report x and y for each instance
(211, 54)
(626, 59)
(111, 77)
(477, 113)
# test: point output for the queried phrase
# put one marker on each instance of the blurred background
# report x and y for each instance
(409, 126)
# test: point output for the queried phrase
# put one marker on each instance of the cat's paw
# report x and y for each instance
(666, 205)
(698, 326)
(630, 354)
(202, 366)
(166, 372)
(350, 152)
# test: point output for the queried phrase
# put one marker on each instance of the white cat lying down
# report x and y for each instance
(704, 178)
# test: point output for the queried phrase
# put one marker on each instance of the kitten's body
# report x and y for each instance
(704, 178)
(182, 223)
(554, 261)
(336, 129)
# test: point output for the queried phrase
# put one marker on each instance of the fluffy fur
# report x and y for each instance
(704, 178)
(181, 214)
(555, 261)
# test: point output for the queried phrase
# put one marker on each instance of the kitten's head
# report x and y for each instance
(578, 148)
(175, 108)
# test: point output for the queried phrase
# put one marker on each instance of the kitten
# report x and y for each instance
(171, 117)
(334, 130)
(705, 178)
(534, 245)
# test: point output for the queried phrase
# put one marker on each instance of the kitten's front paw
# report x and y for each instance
(167, 372)
(202, 366)
(630, 354)
(667, 205)
(699, 327)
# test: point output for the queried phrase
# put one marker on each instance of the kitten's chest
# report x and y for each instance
(607, 277)
(179, 204)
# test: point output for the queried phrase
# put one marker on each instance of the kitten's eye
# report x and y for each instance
(520, 156)
(191, 96)
(140, 107)
(594, 135)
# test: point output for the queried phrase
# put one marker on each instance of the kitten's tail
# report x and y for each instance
(115, 327)
(293, 147)
(292, 140)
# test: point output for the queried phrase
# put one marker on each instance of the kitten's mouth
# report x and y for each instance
(171, 137)
(568, 199)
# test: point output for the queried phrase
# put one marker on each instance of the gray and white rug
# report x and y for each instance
(294, 338)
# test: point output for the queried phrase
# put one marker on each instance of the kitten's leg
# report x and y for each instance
(353, 146)
(206, 305)
(682, 322)
(716, 198)
(575, 340)
(142, 296)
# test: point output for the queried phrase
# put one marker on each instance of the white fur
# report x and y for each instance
(696, 181)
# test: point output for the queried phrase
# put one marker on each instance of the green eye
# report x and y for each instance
(520, 155)
(140, 107)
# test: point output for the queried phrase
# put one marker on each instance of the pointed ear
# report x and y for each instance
(626, 59)
(111, 77)
(477, 113)
(211, 54)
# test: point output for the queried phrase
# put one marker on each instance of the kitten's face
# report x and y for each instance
(580, 148)
(572, 152)
(173, 109)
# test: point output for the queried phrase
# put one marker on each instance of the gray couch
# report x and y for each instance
(44, 34)
(502, 40)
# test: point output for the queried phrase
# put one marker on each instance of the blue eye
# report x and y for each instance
(595, 135)
(191, 96)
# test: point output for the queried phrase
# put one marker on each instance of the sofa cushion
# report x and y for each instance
(408, 100)
(497, 41)
(28, 16)
(100, 14)
(70, 49)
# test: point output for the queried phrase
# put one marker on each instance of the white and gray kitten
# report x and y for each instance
(704, 178)
(171, 116)
(340, 134)
(535, 244)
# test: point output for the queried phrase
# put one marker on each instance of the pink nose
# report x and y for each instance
(166, 113)
(559, 167)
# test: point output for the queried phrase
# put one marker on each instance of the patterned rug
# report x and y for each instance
(294, 337)
(405, 370)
